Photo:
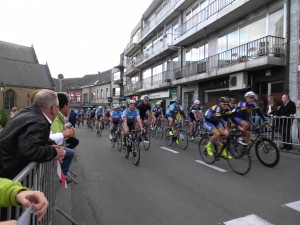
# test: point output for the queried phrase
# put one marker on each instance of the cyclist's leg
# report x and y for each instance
(171, 121)
(245, 125)
(212, 128)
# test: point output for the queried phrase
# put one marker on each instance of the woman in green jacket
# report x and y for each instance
(14, 194)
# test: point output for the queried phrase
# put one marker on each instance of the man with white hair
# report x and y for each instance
(25, 138)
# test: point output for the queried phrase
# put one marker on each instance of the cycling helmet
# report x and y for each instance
(224, 100)
(100, 107)
(233, 100)
(158, 103)
(117, 106)
(146, 97)
(131, 102)
(249, 94)
(197, 102)
(177, 101)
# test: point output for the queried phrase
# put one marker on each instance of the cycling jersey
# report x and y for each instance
(143, 109)
(216, 115)
(172, 110)
(99, 113)
(131, 116)
(157, 111)
(242, 111)
(116, 116)
(78, 114)
(194, 109)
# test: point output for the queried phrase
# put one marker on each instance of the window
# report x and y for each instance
(253, 31)
(117, 76)
(276, 25)
(93, 96)
(116, 92)
(228, 41)
(98, 94)
(107, 94)
(175, 63)
(147, 78)
(9, 99)
(101, 91)
(85, 97)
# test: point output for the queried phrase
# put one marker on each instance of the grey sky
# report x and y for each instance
(75, 37)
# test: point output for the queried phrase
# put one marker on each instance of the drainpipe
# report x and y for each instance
(287, 72)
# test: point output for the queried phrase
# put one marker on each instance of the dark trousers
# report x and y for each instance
(286, 132)
(72, 142)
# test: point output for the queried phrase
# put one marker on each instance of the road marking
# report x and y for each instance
(248, 220)
(294, 205)
(211, 166)
(170, 150)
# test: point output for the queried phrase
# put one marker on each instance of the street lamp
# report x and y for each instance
(2, 88)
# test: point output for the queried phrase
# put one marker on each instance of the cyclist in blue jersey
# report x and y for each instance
(216, 118)
(195, 114)
(172, 112)
(130, 116)
(115, 119)
(242, 115)
(98, 116)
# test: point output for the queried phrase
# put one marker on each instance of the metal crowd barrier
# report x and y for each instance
(39, 177)
(285, 130)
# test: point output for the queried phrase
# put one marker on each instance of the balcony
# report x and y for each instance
(118, 81)
(131, 89)
(216, 15)
(159, 50)
(131, 69)
(157, 81)
(131, 49)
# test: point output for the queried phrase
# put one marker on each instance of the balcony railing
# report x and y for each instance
(155, 20)
(132, 87)
(203, 15)
(266, 46)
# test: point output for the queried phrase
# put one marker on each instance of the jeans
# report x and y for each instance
(67, 160)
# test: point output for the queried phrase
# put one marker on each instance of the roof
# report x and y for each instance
(19, 67)
(17, 52)
(23, 74)
(67, 84)
(104, 78)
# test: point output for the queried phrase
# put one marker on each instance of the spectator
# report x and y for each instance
(287, 110)
(13, 112)
(59, 133)
(272, 106)
(73, 117)
(14, 194)
(25, 138)
(260, 103)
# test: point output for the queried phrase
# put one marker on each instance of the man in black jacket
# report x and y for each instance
(287, 110)
(25, 138)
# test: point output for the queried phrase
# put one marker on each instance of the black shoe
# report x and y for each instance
(68, 180)
(134, 153)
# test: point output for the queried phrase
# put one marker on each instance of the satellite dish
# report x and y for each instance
(60, 76)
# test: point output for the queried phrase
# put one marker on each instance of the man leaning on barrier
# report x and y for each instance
(14, 194)
(25, 138)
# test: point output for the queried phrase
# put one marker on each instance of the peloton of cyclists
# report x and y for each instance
(115, 119)
(157, 112)
(130, 116)
(195, 114)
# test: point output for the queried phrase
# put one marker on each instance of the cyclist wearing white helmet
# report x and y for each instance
(242, 115)
(115, 119)
(130, 116)
(144, 108)
(195, 114)
(98, 117)
(157, 112)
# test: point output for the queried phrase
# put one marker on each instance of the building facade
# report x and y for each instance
(210, 48)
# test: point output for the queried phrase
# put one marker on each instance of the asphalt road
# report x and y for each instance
(172, 188)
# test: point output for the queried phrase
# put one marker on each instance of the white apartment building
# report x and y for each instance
(206, 49)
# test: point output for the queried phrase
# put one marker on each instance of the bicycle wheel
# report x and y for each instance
(160, 132)
(118, 139)
(113, 140)
(146, 140)
(182, 139)
(169, 137)
(240, 165)
(136, 154)
(203, 151)
(267, 152)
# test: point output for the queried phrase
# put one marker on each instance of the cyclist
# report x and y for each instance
(172, 112)
(144, 108)
(157, 112)
(195, 114)
(232, 103)
(98, 117)
(130, 116)
(115, 119)
(242, 115)
(215, 122)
